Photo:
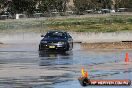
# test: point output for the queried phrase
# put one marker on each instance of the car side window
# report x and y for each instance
(69, 36)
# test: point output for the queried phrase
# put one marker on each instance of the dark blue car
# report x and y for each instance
(56, 40)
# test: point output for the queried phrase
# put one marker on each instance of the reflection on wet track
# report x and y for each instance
(22, 66)
(55, 58)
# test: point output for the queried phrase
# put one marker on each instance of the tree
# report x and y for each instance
(45, 5)
(4, 4)
(123, 4)
(29, 6)
(60, 5)
(107, 4)
(49, 5)
(20, 6)
(82, 5)
(129, 5)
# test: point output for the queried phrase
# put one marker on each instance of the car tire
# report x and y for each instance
(39, 48)
(68, 47)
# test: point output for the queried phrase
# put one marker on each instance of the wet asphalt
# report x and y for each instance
(23, 66)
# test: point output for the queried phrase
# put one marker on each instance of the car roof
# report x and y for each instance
(56, 31)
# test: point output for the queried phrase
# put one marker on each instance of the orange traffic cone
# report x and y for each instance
(84, 74)
(127, 58)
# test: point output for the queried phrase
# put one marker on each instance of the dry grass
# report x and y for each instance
(87, 24)
(108, 45)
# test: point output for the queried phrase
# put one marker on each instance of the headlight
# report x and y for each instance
(43, 41)
(61, 42)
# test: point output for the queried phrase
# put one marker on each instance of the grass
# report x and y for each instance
(94, 24)
(108, 24)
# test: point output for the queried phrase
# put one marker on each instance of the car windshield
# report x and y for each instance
(55, 35)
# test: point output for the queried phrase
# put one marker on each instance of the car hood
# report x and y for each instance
(54, 39)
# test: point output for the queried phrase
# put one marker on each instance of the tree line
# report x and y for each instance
(32, 6)
(102, 4)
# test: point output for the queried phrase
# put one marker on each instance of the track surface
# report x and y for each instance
(22, 66)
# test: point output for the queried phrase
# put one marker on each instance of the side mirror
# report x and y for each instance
(42, 35)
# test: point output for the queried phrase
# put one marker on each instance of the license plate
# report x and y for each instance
(51, 46)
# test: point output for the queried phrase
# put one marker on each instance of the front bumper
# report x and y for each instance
(62, 47)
